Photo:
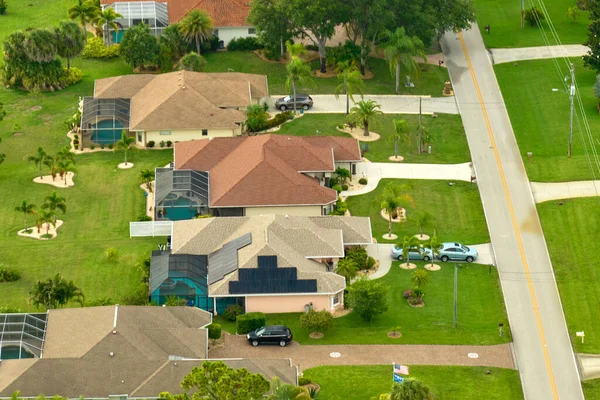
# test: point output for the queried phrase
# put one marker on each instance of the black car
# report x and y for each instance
(275, 334)
(303, 101)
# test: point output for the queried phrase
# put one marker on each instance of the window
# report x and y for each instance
(216, 32)
(336, 299)
(139, 136)
(204, 132)
(251, 31)
(165, 132)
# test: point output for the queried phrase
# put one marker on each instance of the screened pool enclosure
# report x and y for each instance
(103, 120)
(22, 335)
(152, 13)
(180, 194)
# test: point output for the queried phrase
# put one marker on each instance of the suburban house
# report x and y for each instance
(176, 106)
(268, 263)
(251, 175)
(229, 16)
(122, 351)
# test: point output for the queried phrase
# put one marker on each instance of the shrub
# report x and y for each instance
(174, 301)
(304, 381)
(76, 136)
(368, 298)
(137, 298)
(316, 321)
(192, 62)
(3, 7)
(340, 207)
(345, 187)
(102, 146)
(272, 53)
(279, 119)
(8, 274)
(244, 44)
(371, 262)
(111, 254)
(232, 311)
(248, 322)
(110, 146)
(92, 146)
(144, 217)
(408, 293)
(16, 127)
(214, 331)
(95, 48)
(534, 16)
(338, 188)
(150, 144)
(363, 181)
(76, 147)
(76, 142)
(169, 143)
(312, 47)
(257, 117)
(359, 256)
(71, 76)
(162, 143)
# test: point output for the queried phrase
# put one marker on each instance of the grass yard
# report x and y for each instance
(571, 231)
(504, 18)
(591, 389)
(457, 210)
(448, 140)
(480, 309)
(540, 117)
(431, 79)
(343, 382)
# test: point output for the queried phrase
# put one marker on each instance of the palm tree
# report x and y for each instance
(50, 162)
(124, 144)
(410, 389)
(64, 167)
(65, 154)
(285, 391)
(84, 12)
(347, 268)
(420, 278)
(147, 176)
(434, 245)
(38, 159)
(401, 134)
(108, 19)
(55, 292)
(343, 174)
(27, 209)
(298, 73)
(45, 217)
(409, 243)
(55, 202)
(393, 197)
(365, 113)
(295, 50)
(399, 50)
(572, 13)
(196, 26)
(350, 83)
(422, 219)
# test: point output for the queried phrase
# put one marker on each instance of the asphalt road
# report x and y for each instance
(543, 350)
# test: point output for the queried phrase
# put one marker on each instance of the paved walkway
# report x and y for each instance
(377, 171)
(564, 190)
(590, 365)
(500, 56)
(308, 356)
(542, 345)
(390, 104)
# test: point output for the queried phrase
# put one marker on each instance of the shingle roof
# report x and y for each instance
(265, 170)
(184, 99)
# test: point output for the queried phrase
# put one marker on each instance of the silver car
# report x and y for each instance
(457, 252)
(422, 253)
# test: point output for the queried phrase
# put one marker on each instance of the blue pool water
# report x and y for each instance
(184, 209)
(107, 136)
(12, 353)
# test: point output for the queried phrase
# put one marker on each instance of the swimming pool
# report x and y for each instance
(14, 353)
(106, 132)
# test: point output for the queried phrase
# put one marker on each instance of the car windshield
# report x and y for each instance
(464, 247)
(260, 331)
(287, 98)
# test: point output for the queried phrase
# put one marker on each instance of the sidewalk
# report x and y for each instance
(500, 56)
(564, 190)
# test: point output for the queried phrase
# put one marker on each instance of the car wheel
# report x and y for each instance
(426, 258)
(469, 259)
(400, 257)
(282, 108)
(282, 343)
(255, 343)
(305, 107)
(445, 258)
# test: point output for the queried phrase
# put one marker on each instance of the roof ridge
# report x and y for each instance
(151, 376)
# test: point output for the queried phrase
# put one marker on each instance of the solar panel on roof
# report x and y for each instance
(225, 260)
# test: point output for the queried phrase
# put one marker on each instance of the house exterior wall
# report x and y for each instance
(288, 304)
(227, 33)
(285, 210)
(185, 135)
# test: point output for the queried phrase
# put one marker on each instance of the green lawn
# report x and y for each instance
(540, 117)
(480, 309)
(571, 231)
(591, 389)
(431, 79)
(504, 18)
(457, 210)
(343, 382)
(448, 140)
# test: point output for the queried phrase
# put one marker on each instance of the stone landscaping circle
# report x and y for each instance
(408, 266)
(396, 159)
(316, 335)
(422, 237)
(432, 267)
(390, 237)
(125, 166)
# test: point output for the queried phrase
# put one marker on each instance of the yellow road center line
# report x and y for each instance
(513, 220)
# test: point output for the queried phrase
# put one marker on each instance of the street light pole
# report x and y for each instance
(522, 13)
(572, 96)
(455, 294)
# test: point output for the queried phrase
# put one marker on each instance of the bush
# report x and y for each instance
(344, 187)
(232, 311)
(76, 142)
(359, 256)
(76, 147)
(316, 321)
(408, 293)
(102, 146)
(304, 381)
(8, 274)
(174, 301)
(143, 266)
(3, 7)
(95, 48)
(279, 119)
(137, 298)
(371, 262)
(150, 144)
(162, 143)
(340, 207)
(76, 136)
(192, 62)
(363, 181)
(110, 146)
(169, 143)
(244, 44)
(111, 254)
(92, 146)
(144, 217)
(312, 47)
(368, 298)
(248, 322)
(338, 188)
(214, 331)
(533, 16)
(71, 76)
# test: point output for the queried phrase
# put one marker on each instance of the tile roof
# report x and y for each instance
(184, 99)
(265, 170)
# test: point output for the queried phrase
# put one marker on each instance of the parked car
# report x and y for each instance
(422, 253)
(275, 334)
(287, 103)
(458, 252)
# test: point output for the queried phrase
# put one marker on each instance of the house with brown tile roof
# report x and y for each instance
(252, 175)
(96, 352)
(230, 17)
(176, 106)
(268, 263)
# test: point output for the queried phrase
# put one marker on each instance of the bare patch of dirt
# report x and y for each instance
(394, 335)
(35, 108)
(17, 134)
(316, 335)
(341, 312)
(359, 133)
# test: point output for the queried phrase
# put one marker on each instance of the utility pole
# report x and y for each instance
(572, 96)
(420, 127)
(522, 13)
(455, 293)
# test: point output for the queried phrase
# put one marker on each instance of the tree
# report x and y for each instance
(347, 268)
(3, 7)
(342, 174)
(65, 154)
(434, 245)
(50, 162)
(257, 117)
(450, 15)
(147, 176)
(410, 389)
(350, 83)
(399, 50)
(423, 219)
(107, 19)
(38, 159)
(392, 198)
(534, 16)
(368, 298)
(45, 217)
(572, 12)
(272, 23)
(27, 209)
(69, 40)
(401, 134)
(215, 380)
(55, 202)
(295, 50)
(365, 113)
(420, 278)
(316, 321)
(40, 45)
(408, 244)
(63, 167)
(174, 42)
(192, 62)
(139, 47)
(592, 58)
(196, 26)
(285, 391)
(297, 73)
(84, 12)
(317, 21)
(54, 293)
(125, 144)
